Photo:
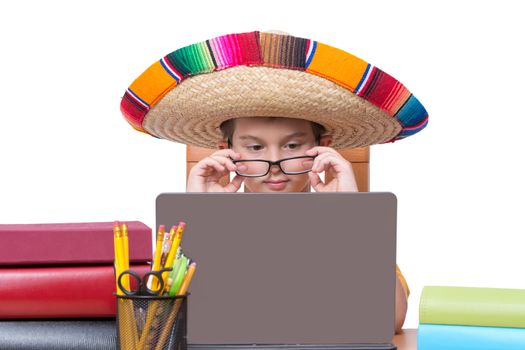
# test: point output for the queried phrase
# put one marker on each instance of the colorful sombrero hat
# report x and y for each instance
(186, 95)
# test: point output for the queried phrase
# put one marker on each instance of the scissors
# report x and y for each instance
(142, 283)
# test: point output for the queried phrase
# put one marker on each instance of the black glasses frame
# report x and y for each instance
(270, 164)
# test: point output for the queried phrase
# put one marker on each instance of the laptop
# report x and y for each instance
(288, 270)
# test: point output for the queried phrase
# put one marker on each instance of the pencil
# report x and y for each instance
(156, 260)
(151, 314)
(173, 250)
(125, 253)
(126, 324)
(176, 306)
(117, 240)
(125, 339)
(166, 245)
(150, 317)
(154, 304)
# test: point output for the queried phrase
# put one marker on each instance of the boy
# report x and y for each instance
(283, 105)
(274, 139)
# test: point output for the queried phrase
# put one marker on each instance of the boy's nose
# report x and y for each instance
(275, 169)
(274, 155)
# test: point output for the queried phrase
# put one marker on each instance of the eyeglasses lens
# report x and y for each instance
(297, 166)
(260, 168)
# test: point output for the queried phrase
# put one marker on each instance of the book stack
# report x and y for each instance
(471, 318)
(57, 283)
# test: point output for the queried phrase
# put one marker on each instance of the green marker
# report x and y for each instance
(179, 277)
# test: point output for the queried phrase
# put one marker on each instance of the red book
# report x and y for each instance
(70, 243)
(59, 292)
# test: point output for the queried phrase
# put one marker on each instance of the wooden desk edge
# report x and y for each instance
(406, 340)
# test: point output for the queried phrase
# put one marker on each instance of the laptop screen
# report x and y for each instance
(287, 268)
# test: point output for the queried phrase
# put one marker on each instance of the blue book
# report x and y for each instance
(447, 337)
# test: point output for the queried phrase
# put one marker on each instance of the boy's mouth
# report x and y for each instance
(276, 184)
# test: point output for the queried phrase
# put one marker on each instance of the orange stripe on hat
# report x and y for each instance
(153, 84)
(337, 65)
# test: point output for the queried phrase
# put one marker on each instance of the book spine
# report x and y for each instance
(445, 337)
(490, 307)
(59, 292)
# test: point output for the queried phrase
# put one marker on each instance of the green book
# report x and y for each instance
(469, 306)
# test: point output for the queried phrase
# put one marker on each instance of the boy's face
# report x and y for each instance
(273, 139)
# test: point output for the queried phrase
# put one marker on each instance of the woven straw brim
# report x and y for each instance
(192, 111)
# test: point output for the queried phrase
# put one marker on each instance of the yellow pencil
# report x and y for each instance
(125, 249)
(119, 267)
(176, 233)
(125, 245)
(154, 304)
(156, 259)
(128, 303)
(127, 313)
(122, 253)
(150, 316)
(173, 251)
(176, 306)
(127, 326)
(166, 245)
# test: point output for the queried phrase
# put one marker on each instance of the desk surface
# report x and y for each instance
(406, 340)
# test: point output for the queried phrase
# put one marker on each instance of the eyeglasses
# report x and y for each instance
(260, 167)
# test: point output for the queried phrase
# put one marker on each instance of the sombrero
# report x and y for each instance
(186, 95)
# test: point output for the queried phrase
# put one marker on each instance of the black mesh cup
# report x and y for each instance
(151, 323)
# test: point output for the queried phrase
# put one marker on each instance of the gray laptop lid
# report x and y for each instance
(288, 268)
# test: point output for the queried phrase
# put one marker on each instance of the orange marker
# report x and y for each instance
(187, 279)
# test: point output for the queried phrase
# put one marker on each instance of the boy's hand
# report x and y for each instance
(205, 175)
(329, 160)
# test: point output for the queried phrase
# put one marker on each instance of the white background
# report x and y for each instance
(67, 155)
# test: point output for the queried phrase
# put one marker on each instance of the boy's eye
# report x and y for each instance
(254, 147)
(293, 145)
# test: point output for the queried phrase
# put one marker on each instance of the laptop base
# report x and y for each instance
(386, 346)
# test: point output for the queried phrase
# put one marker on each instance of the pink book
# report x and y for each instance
(70, 243)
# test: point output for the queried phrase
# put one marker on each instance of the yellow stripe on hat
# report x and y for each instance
(337, 65)
(153, 84)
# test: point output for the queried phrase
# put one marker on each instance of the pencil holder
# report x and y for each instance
(151, 323)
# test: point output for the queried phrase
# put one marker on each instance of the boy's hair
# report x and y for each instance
(227, 127)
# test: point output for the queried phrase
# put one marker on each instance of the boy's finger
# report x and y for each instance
(319, 150)
(228, 152)
(226, 162)
(235, 184)
(319, 164)
(212, 163)
(329, 160)
(312, 152)
(315, 181)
